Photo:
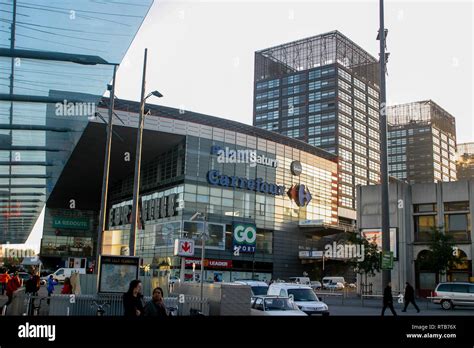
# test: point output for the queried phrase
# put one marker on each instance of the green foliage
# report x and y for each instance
(441, 255)
(371, 262)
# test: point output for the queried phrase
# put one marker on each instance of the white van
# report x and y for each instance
(327, 281)
(63, 273)
(258, 287)
(302, 295)
(300, 280)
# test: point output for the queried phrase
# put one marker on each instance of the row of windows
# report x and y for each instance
(359, 94)
(322, 141)
(269, 126)
(294, 90)
(321, 95)
(320, 107)
(293, 111)
(344, 74)
(373, 92)
(268, 84)
(268, 105)
(320, 84)
(321, 129)
(294, 79)
(397, 167)
(293, 133)
(396, 150)
(274, 93)
(347, 109)
(294, 122)
(318, 118)
(271, 115)
(374, 103)
(398, 158)
(360, 105)
(397, 133)
(358, 83)
(345, 86)
(314, 74)
(299, 99)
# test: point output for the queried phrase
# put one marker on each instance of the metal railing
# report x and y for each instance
(92, 305)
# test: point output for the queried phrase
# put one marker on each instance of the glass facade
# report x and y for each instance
(55, 66)
(250, 199)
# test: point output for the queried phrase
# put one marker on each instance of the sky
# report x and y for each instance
(201, 53)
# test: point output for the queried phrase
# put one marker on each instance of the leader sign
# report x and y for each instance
(245, 237)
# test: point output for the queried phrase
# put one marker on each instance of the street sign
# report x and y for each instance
(245, 237)
(184, 247)
(387, 260)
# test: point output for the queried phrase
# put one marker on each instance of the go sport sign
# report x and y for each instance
(245, 238)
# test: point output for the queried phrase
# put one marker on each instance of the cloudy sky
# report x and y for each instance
(201, 53)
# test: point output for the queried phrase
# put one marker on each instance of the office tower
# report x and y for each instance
(324, 90)
(421, 142)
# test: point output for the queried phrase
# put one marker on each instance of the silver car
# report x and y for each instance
(453, 294)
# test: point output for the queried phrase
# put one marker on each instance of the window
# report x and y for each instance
(374, 134)
(373, 103)
(456, 206)
(274, 93)
(271, 115)
(424, 227)
(359, 115)
(293, 79)
(344, 96)
(322, 141)
(293, 111)
(318, 118)
(292, 133)
(373, 92)
(360, 160)
(267, 106)
(347, 109)
(424, 208)
(373, 113)
(293, 100)
(374, 145)
(346, 155)
(359, 83)
(320, 84)
(295, 122)
(346, 120)
(360, 171)
(320, 107)
(321, 129)
(321, 95)
(294, 90)
(360, 127)
(374, 177)
(360, 149)
(359, 94)
(346, 190)
(268, 84)
(345, 142)
(359, 104)
(344, 74)
(344, 85)
(345, 131)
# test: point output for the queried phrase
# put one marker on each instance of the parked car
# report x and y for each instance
(316, 285)
(449, 295)
(334, 286)
(328, 280)
(259, 288)
(303, 296)
(274, 306)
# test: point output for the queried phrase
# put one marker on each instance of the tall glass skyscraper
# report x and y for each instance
(324, 90)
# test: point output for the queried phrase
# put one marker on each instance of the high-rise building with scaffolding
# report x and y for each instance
(324, 90)
(421, 142)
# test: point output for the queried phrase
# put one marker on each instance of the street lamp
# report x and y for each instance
(204, 236)
(138, 158)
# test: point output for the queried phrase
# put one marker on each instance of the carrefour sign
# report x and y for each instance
(214, 177)
(244, 237)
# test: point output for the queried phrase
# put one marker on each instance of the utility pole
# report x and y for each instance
(386, 274)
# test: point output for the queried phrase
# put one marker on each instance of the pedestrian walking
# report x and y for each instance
(50, 287)
(156, 307)
(67, 287)
(13, 284)
(133, 299)
(410, 297)
(4, 279)
(388, 300)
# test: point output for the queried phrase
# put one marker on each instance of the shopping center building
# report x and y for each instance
(229, 172)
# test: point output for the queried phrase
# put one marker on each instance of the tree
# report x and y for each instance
(371, 261)
(442, 254)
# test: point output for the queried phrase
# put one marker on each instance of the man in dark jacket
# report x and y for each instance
(156, 307)
(388, 300)
(410, 297)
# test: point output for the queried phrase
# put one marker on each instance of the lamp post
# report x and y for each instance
(386, 274)
(105, 178)
(138, 158)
